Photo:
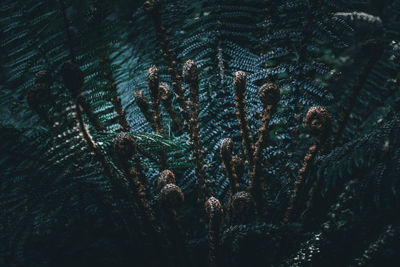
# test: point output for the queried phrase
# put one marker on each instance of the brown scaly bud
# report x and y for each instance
(239, 82)
(153, 81)
(318, 121)
(190, 73)
(165, 177)
(73, 77)
(213, 209)
(242, 206)
(171, 195)
(269, 94)
(214, 212)
(239, 87)
(42, 76)
(125, 146)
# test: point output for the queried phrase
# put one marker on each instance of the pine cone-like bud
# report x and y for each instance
(153, 80)
(42, 76)
(242, 205)
(269, 94)
(189, 71)
(213, 208)
(125, 146)
(171, 195)
(38, 94)
(239, 82)
(318, 121)
(165, 92)
(226, 148)
(165, 177)
(73, 77)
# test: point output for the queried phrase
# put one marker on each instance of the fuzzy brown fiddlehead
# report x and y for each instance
(214, 212)
(319, 122)
(125, 148)
(190, 75)
(242, 207)
(239, 87)
(171, 197)
(269, 95)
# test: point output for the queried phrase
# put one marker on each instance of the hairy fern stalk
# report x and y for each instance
(200, 133)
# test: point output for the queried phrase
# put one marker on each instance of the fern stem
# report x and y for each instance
(125, 148)
(231, 165)
(190, 75)
(153, 81)
(220, 62)
(226, 149)
(269, 96)
(171, 197)
(319, 122)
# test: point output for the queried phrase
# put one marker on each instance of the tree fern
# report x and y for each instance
(194, 133)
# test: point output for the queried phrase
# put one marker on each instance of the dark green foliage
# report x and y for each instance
(69, 73)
